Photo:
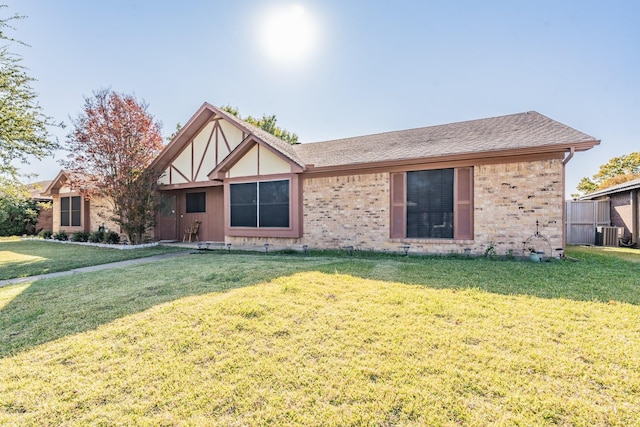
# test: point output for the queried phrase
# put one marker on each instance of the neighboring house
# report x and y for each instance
(624, 202)
(440, 189)
(74, 211)
(43, 205)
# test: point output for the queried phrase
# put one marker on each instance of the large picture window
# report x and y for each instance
(432, 204)
(70, 211)
(196, 202)
(260, 204)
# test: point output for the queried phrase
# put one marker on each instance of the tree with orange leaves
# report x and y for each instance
(616, 171)
(113, 141)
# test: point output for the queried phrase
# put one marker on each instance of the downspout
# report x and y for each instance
(635, 225)
(570, 156)
(572, 151)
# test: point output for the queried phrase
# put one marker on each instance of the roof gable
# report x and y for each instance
(77, 181)
(202, 146)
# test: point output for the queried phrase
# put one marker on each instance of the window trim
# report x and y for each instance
(463, 218)
(295, 208)
(432, 194)
(68, 213)
(186, 203)
(258, 204)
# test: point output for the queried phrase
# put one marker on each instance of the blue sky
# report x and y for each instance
(374, 66)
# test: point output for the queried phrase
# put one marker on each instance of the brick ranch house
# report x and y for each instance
(624, 205)
(439, 189)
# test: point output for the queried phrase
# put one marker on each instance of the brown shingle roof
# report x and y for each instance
(618, 188)
(516, 131)
(36, 190)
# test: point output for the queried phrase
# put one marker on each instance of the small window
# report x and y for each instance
(196, 202)
(70, 211)
(75, 211)
(64, 211)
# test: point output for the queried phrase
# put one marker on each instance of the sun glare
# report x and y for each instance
(288, 34)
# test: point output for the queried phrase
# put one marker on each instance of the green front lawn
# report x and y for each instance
(237, 339)
(22, 258)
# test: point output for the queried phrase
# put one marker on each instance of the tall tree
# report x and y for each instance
(18, 211)
(23, 126)
(616, 171)
(267, 123)
(113, 141)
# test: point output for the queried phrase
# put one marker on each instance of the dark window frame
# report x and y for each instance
(462, 222)
(265, 204)
(430, 204)
(71, 211)
(196, 202)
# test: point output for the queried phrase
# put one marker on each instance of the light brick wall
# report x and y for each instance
(100, 212)
(353, 211)
(509, 198)
(55, 209)
(347, 211)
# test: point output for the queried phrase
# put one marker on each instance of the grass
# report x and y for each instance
(22, 258)
(291, 340)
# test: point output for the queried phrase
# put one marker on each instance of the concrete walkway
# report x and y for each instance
(91, 268)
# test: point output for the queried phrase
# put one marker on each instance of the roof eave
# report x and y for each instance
(547, 149)
(631, 185)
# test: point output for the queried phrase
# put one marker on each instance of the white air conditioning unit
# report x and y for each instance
(608, 236)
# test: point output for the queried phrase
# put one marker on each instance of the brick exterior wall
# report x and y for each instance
(99, 213)
(347, 211)
(45, 217)
(354, 210)
(510, 198)
(621, 215)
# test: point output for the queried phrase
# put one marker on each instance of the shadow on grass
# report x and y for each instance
(45, 310)
(50, 309)
(33, 257)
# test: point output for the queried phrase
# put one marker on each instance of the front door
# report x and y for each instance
(167, 227)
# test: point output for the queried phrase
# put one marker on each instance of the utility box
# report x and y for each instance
(608, 236)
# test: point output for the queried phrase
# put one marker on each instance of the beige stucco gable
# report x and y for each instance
(254, 158)
(200, 153)
(259, 160)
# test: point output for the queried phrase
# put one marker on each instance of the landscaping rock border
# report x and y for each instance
(120, 246)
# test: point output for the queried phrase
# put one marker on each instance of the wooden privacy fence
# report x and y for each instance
(583, 216)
